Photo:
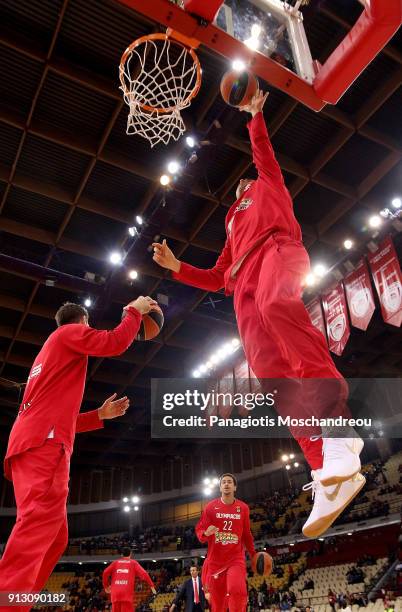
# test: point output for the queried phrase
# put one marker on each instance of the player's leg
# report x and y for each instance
(264, 355)
(126, 606)
(283, 313)
(52, 555)
(218, 593)
(40, 478)
(237, 588)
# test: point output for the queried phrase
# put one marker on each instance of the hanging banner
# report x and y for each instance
(315, 311)
(387, 278)
(336, 318)
(359, 295)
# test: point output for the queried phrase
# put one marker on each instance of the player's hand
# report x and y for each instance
(172, 607)
(164, 257)
(143, 304)
(112, 407)
(210, 530)
(107, 589)
(257, 103)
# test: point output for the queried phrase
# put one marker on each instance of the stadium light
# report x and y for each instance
(285, 458)
(164, 180)
(136, 508)
(291, 456)
(196, 374)
(215, 481)
(139, 220)
(287, 467)
(375, 221)
(125, 500)
(348, 244)
(190, 142)
(238, 65)
(116, 258)
(320, 270)
(173, 166)
(310, 280)
(207, 491)
(135, 499)
(133, 275)
(88, 303)
(207, 481)
(296, 464)
(396, 202)
(126, 508)
(133, 231)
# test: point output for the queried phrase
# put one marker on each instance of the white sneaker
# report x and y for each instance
(329, 502)
(341, 459)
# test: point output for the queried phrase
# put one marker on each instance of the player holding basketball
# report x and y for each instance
(119, 580)
(225, 526)
(42, 438)
(264, 264)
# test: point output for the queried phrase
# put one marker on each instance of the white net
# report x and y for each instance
(159, 77)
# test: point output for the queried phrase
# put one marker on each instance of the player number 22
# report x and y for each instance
(227, 525)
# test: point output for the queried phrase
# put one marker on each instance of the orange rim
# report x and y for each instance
(145, 39)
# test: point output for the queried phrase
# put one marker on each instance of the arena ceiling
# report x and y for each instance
(72, 182)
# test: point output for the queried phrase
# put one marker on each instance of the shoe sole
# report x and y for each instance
(319, 527)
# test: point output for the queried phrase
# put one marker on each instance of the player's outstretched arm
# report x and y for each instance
(86, 340)
(110, 409)
(263, 153)
(209, 280)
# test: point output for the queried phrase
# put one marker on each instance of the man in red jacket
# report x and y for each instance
(41, 440)
(119, 581)
(264, 263)
(225, 526)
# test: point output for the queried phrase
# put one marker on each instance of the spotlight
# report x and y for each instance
(375, 221)
(207, 491)
(287, 467)
(79, 562)
(116, 258)
(350, 533)
(139, 220)
(164, 180)
(153, 560)
(321, 539)
(296, 464)
(348, 244)
(320, 270)
(173, 167)
(196, 374)
(209, 365)
(133, 231)
(175, 559)
(396, 202)
(238, 65)
(88, 303)
(136, 508)
(214, 358)
(310, 280)
(292, 544)
(285, 458)
(215, 481)
(207, 481)
(190, 142)
(133, 274)
(125, 499)
(202, 368)
(135, 499)
(126, 508)
(291, 456)
(105, 563)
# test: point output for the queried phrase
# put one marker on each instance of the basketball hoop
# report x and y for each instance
(159, 77)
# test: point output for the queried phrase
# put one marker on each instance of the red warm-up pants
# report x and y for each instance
(228, 589)
(122, 606)
(40, 534)
(279, 339)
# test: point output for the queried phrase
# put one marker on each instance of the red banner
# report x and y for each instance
(315, 311)
(387, 277)
(359, 295)
(336, 317)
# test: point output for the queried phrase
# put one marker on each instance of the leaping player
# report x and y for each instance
(264, 264)
(225, 526)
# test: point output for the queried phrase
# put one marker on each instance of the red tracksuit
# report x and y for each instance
(264, 263)
(122, 575)
(224, 572)
(39, 465)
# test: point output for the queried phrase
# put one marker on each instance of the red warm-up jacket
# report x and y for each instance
(121, 575)
(55, 385)
(265, 208)
(226, 546)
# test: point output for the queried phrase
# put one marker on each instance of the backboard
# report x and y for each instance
(268, 35)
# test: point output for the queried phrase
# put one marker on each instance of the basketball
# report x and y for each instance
(151, 324)
(238, 88)
(262, 564)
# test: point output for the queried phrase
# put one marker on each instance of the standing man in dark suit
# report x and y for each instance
(192, 593)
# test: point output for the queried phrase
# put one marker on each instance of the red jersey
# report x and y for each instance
(265, 208)
(55, 385)
(123, 574)
(226, 546)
